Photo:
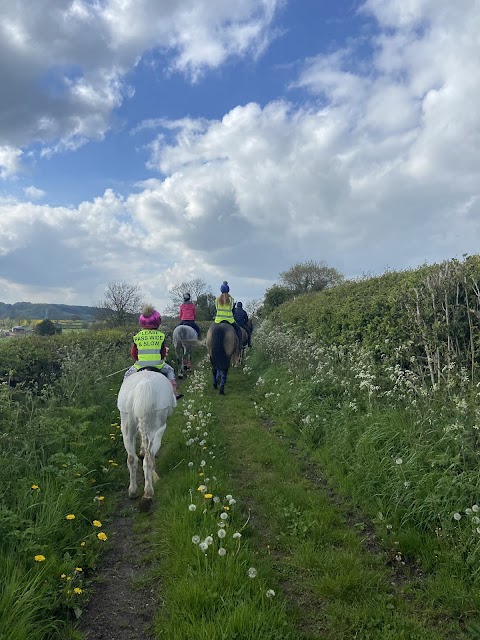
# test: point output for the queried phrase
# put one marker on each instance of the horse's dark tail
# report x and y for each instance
(220, 359)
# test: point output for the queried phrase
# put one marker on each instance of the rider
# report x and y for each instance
(224, 306)
(149, 350)
(241, 318)
(188, 311)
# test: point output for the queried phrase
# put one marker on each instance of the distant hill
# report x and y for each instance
(32, 311)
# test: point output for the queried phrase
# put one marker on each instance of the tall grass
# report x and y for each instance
(58, 444)
(405, 451)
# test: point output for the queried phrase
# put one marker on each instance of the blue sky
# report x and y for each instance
(156, 142)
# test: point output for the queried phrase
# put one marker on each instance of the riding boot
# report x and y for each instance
(174, 387)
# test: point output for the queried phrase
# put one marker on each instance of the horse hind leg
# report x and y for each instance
(129, 437)
(223, 380)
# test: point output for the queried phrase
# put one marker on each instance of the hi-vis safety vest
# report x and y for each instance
(149, 344)
(224, 311)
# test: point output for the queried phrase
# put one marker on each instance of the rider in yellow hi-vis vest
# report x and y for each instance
(148, 349)
(224, 306)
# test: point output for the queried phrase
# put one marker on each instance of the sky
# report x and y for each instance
(153, 142)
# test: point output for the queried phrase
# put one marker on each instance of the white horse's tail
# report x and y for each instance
(144, 400)
(194, 344)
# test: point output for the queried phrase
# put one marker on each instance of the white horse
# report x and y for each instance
(185, 339)
(145, 401)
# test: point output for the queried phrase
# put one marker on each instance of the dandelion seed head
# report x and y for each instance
(252, 572)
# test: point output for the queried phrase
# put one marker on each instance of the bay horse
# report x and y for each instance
(145, 401)
(185, 338)
(223, 347)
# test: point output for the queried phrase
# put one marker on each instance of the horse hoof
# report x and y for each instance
(145, 504)
(132, 496)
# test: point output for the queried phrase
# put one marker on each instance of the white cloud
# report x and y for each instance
(34, 193)
(64, 64)
(381, 169)
(9, 161)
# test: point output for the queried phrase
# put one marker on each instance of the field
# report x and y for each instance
(332, 493)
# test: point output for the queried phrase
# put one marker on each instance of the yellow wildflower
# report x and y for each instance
(63, 576)
(39, 558)
(77, 590)
(227, 508)
(82, 544)
(208, 495)
(70, 516)
(35, 487)
(97, 523)
(78, 569)
(102, 536)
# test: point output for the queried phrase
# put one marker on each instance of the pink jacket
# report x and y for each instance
(187, 311)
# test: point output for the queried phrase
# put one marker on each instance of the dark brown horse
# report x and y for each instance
(223, 348)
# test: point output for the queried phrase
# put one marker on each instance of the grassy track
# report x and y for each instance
(330, 577)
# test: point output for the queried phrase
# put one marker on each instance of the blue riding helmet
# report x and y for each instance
(225, 288)
(186, 297)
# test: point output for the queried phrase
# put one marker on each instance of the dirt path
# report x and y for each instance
(122, 604)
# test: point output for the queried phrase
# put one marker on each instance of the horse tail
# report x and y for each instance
(220, 359)
(144, 400)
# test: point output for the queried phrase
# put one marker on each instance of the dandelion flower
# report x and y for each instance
(475, 508)
(63, 576)
(100, 498)
(252, 572)
(232, 501)
(221, 533)
(202, 488)
(77, 590)
(207, 496)
(79, 569)
(237, 535)
(35, 487)
(457, 516)
(70, 516)
(203, 546)
(195, 539)
(270, 593)
(209, 540)
(227, 508)
(222, 552)
(191, 507)
(190, 464)
(39, 558)
(82, 544)
(399, 461)
(97, 523)
(102, 536)
(216, 499)
(224, 516)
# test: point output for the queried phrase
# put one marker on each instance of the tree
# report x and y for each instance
(206, 306)
(305, 277)
(47, 328)
(275, 296)
(196, 288)
(252, 306)
(121, 304)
